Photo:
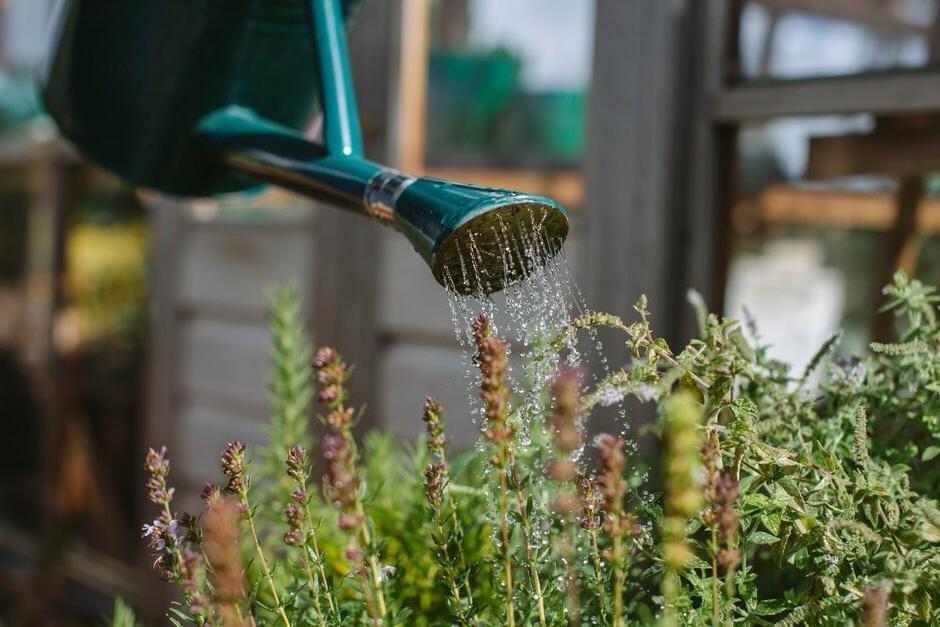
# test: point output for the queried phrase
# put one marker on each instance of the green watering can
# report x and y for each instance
(196, 97)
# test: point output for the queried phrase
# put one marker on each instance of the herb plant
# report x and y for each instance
(784, 499)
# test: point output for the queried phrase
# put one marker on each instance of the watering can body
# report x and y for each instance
(196, 97)
(129, 80)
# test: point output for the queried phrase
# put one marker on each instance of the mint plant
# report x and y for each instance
(782, 501)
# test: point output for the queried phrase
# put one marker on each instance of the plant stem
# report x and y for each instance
(730, 594)
(599, 575)
(507, 559)
(261, 559)
(177, 554)
(618, 582)
(440, 519)
(373, 565)
(319, 557)
(449, 570)
(716, 618)
(670, 590)
(314, 590)
(454, 588)
(370, 600)
(458, 536)
(457, 529)
(527, 535)
(571, 574)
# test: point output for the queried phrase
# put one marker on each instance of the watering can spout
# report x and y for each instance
(201, 97)
(461, 231)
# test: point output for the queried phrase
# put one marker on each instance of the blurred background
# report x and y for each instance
(778, 154)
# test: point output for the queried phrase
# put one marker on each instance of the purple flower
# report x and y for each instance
(433, 412)
(234, 466)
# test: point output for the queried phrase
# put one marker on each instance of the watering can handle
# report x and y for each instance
(341, 132)
(335, 171)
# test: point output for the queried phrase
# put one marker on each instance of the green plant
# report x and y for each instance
(122, 615)
(782, 502)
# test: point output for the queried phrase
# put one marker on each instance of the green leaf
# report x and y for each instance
(769, 607)
(929, 453)
(762, 537)
(755, 500)
(771, 521)
(746, 414)
(804, 524)
(179, 614)
(907, 348)
(737, 338)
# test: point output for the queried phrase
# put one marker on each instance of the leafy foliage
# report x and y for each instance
(783, 501)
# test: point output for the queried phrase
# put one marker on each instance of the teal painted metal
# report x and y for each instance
(435, 215)
(273, 153)
(194, 97)
(341, 132)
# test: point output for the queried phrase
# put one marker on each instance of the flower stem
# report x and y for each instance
(319, 558)
(730, 593)
(462, 562)
(507, 559)
(716, 617)
(449, 570)
(177, 554)
(618, 582)
(571, 575)
(527, 534)
(670, 590)
(373, 565)
(261, 559)
(314, 591)
(457, 533)
(599, 576)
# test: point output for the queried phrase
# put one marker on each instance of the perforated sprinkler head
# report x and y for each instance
(476, 239)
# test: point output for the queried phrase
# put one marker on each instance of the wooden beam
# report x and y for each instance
(878, 16)
(817, 207)
(888, 93)
(896, 152)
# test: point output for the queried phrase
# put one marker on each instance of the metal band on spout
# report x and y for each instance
(382, 192)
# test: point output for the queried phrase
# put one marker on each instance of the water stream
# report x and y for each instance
(527, 314)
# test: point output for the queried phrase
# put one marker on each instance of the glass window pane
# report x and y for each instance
(508, 82)
(791, 39)
(812, 232)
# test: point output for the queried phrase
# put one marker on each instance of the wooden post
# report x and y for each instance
(654, 157)
(408, 107)
(160, 422)
(896, 246)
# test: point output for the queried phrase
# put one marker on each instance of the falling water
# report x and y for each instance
(528, 314)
